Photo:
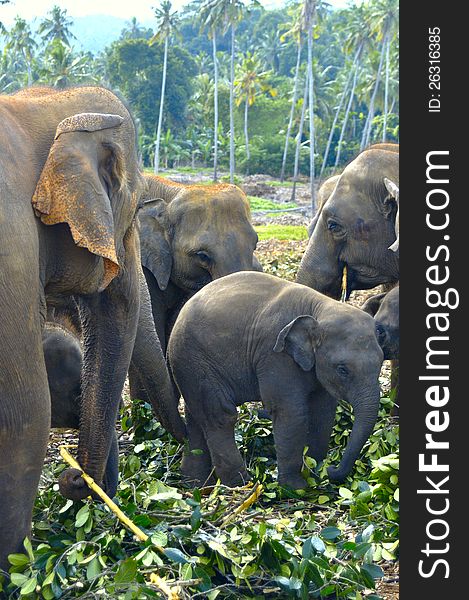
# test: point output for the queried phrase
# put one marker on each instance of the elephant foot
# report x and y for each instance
(336, 475)
(235, 478)
(197, 471)
(295, 482)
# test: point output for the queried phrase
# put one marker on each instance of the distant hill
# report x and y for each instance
(95, 32)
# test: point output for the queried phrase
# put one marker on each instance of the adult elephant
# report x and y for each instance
(191, 235)
(355, 228)
(69, 189)
(328, 185)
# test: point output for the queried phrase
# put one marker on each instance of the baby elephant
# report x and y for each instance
(64, 358)
(251, 336)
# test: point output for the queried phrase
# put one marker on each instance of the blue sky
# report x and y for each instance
(142, 9)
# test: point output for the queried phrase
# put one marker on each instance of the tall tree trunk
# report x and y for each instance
(298, 142)
(371, 111)
(232, 155)
(347, 112)
(386, 91)
(292, 111)
(337, 113)
(311, 117)
(160, 116)
(215, 107)
(246, 133)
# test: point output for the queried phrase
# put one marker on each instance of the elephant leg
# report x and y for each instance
(24, 391)
(323, 409)
(226, 457)
(196, 464)
(137, 389)
(291, 428)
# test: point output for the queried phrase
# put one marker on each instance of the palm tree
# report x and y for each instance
(166, 26)
(300, 136)
(358, 39)
(383, 19)
(21, 44)
(270, 48)
(57, 27)
(250, 82)
(308, 15)
(211, 19)
(134, 31)
(62, 67)
(227, 14)
(295, 32)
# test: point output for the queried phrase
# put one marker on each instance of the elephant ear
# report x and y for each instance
(393, 190)
(154, 244)
(371, 306)
(80, 173)
(299, 339)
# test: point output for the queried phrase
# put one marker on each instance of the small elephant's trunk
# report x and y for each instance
(366, 413)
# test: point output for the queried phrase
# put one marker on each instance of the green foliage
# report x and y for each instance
(282, 232)
(324, 541)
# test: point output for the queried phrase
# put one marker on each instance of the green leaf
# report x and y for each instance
(330, 533)
(29, 548)
(345, 493)
(127, 571)
(374, 571)
(176, 555)
(159, 538)
(93, 569)
(18, 560)
(29, 586)
(82, 516)
(18, 579)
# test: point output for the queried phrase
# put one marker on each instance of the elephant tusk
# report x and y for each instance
(343, 294)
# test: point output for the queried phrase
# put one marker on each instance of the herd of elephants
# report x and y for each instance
(106, 273)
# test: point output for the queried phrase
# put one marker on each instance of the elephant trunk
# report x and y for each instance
(150, 366)
(320, 267)
(366, 413)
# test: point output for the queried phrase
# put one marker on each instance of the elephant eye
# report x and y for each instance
(334, 226)
(342, 370)
(204, 257)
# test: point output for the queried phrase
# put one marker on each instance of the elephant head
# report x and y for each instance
(355, 229)
(194, 234)
(385, 310)
(347, 370)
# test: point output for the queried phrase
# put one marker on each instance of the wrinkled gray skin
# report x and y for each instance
(69, 186)
(190, 235)
(324, 192)
(63, 356)
(385, 310)
(355, 228)
(251, 336)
